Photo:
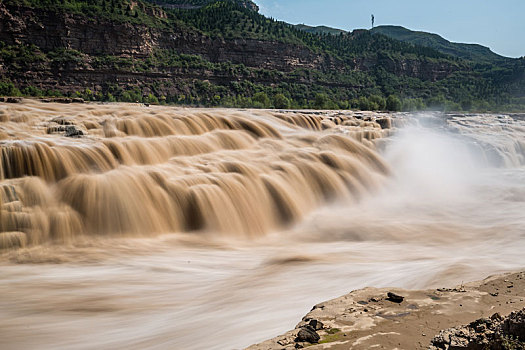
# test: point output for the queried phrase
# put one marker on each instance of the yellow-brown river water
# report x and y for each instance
(170, 228)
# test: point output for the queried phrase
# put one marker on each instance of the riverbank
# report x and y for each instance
(401, 319)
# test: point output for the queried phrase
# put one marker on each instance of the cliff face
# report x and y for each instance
(94, 37)
(414, 68)
(50, 30)
(254, 53)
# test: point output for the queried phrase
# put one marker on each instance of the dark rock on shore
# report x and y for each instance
(395, 298)
(514, 325)
(410, 325)
(307, 334)
(316, 325)
(485, 333)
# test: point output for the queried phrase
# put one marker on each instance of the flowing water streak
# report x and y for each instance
(143, 171)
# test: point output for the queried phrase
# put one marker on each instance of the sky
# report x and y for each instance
(498, 24)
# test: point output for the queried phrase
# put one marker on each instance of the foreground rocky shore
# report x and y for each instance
(488, 314)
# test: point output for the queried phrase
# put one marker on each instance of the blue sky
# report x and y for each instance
(499, 25)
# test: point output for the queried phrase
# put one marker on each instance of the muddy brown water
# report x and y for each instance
(166, 228)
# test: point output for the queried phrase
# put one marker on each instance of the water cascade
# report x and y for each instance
(144, 171)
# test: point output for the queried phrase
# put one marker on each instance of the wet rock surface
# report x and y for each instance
(65, 100)
(65, 126)
(73, 131)
(11, 99)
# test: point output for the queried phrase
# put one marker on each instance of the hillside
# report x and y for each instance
(319, 29)
(195, 4)
(472, 52)
(226, 54)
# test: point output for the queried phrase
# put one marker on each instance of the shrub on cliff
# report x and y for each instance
(261, 100)
(363, 104)
(151, 99)
(393, 103)
(32, 91)
(7, 88)
(377, 102)
(323, 101)
(281, 102)
(412, 104)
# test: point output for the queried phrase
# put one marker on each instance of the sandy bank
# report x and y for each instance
(368, 319)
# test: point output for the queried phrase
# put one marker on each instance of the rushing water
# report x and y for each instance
(273, 213)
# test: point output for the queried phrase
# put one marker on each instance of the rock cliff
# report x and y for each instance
(222, 59)
(50, 30)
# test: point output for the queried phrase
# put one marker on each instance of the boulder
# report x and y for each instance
(514, 325)
(486, 333)
(385, 123)
(73, 131)
(316, 325)
(393, 297)
(307, 334)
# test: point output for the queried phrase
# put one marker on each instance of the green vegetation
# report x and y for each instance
(120, 11)
(182, 3)
(20, 57)
(368, 70)
(333, 331)
(7, 88)
(393, 103)
(472, 52)
(334, 334)
(188, 4)
(280, 101)
(225, 19)
(319, 29)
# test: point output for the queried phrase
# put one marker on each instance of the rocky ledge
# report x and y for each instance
(495, 332)
(406, 319)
